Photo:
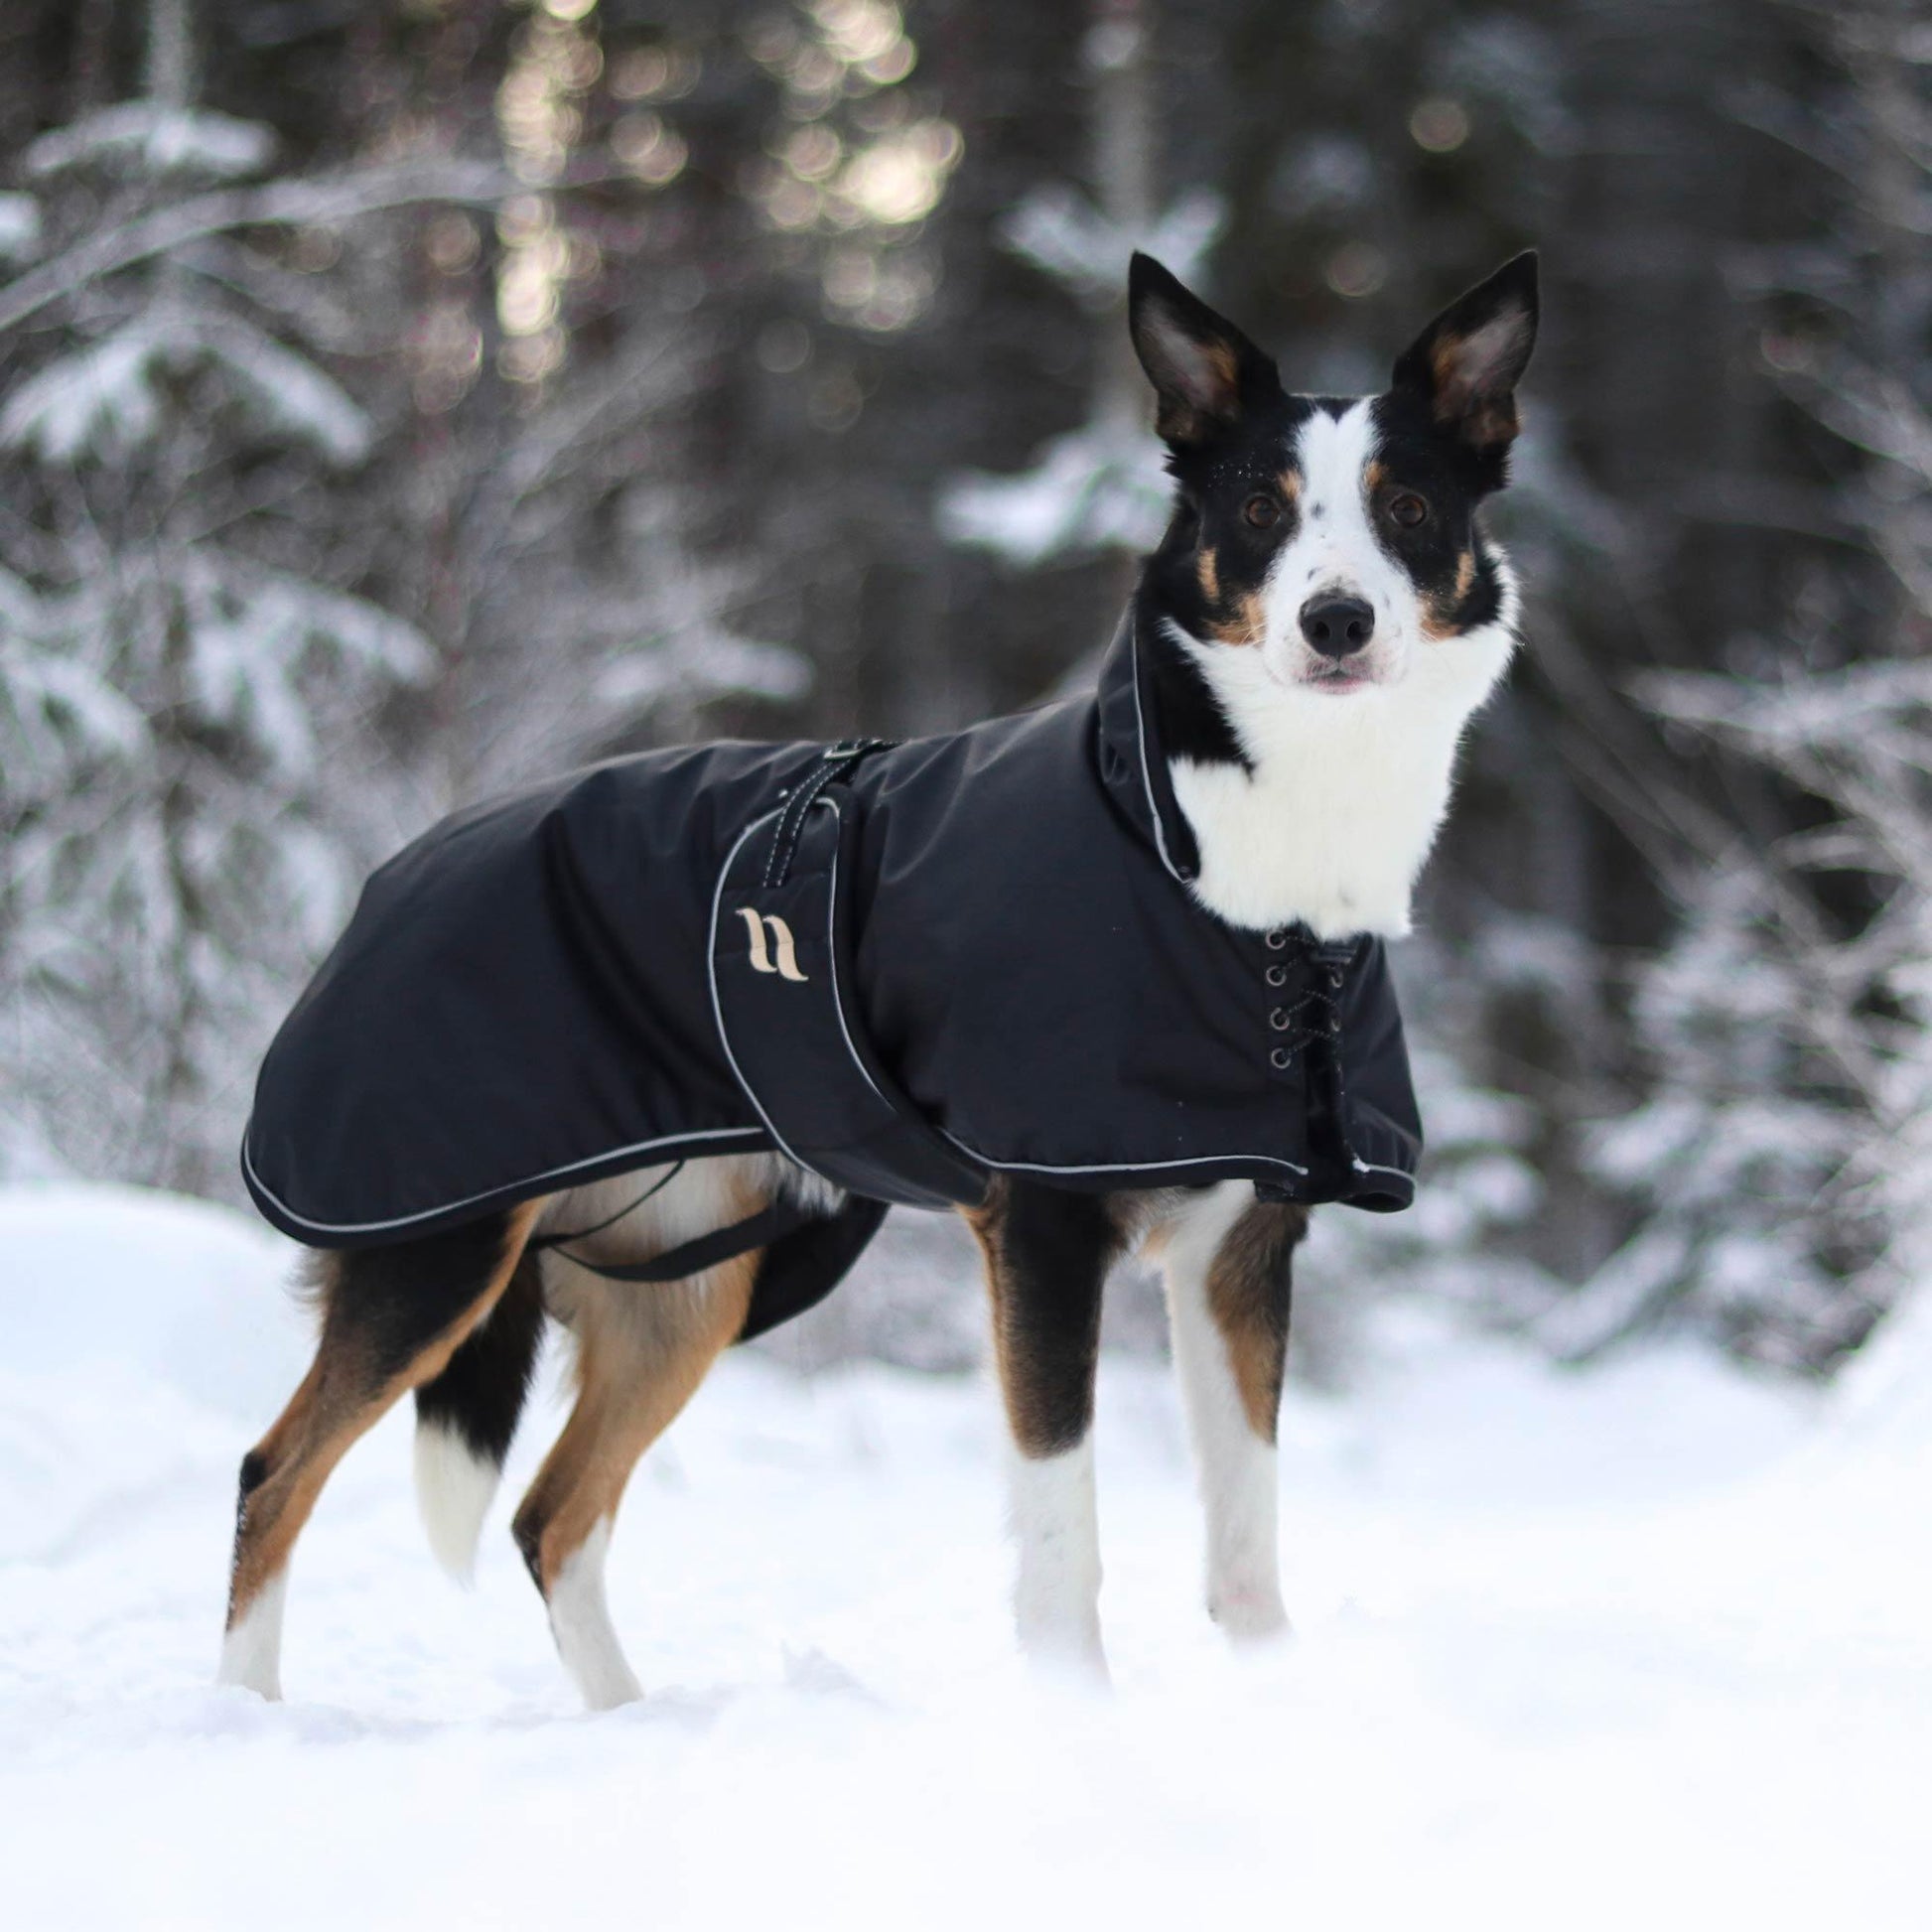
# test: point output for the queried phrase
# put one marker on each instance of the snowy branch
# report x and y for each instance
(317, 200)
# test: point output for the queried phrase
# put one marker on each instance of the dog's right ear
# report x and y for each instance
(1204, 371)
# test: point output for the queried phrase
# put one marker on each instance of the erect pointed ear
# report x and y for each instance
(1204, 371)
(1468, 362)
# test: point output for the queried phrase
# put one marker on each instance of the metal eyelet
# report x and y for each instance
(1279, 1019)
(1277, 941)
(1277, 976)
(1279, 1058)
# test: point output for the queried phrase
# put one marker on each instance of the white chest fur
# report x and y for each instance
(1333, 824)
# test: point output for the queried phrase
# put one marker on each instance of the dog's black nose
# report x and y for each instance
(1337, 626)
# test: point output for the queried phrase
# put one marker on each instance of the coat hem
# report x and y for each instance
(1235, 1167)
(432, 1220)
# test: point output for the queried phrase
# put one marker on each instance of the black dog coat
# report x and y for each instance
(907, 967)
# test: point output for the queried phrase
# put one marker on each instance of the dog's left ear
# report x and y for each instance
(1468, 362)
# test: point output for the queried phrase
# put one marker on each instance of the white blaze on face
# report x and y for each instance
(1335, 551)
(1332, 815)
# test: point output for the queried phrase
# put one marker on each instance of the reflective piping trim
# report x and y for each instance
(1376, 1166)
(1122, 1167)
(1147, 782)
(532, 1181)
(717, 1008)
(832, 959)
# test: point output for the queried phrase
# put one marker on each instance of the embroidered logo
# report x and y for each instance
(757, 925)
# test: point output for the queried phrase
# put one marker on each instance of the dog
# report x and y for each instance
(1321, 618)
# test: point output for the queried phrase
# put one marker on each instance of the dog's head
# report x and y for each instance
(1334, 542)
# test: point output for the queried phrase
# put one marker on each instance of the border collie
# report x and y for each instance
(1325, 612)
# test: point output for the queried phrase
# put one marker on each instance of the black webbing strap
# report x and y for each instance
(837, 762)
(564, 1236)
(758, 1230)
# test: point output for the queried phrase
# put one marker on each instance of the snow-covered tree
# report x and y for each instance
(1780, 1171)
(576, 612)
(186, 703)
(1784, 1163)
(1100, 487)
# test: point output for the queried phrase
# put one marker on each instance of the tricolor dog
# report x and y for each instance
(649, 1050)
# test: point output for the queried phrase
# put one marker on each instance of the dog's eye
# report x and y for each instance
(1262, 510)
(1408, 509)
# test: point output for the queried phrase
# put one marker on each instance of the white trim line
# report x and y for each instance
(261, 1187)
(717, 1007)
(1122, 1167)
(832, 957)
(1377, 1167)
(1147, 776)
(832, 976)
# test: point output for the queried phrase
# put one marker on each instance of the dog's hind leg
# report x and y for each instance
(391, 1319)
(1228, 1262)
(641, 1352)
(466, 1418)
(1048, 1253)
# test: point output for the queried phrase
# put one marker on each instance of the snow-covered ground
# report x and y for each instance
(1650, 1646)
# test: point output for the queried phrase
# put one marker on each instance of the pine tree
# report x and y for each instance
(1779, 1175)
(189, 704)
(1781, 1166)
(1100, 487)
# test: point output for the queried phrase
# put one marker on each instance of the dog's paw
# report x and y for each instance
(1250, 1617)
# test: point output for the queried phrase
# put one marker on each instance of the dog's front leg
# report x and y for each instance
(1046, 1258)
(1228, 1258)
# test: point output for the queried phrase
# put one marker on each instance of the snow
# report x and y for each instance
(256, 634)
(706, 661)
(54, 706)
(1102, 485)
(1643, 1645)
(20, 226)
(1096, 487)
(142, 138)
(104, 400)
(1059, 231)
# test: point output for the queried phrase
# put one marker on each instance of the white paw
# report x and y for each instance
(1250, 1616)
(251, 1651)
(610, 1690)
(268, 1693)
(1066, 1657)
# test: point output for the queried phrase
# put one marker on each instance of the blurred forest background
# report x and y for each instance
(401, 397)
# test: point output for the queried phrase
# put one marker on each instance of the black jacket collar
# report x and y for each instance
(1133, 761)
